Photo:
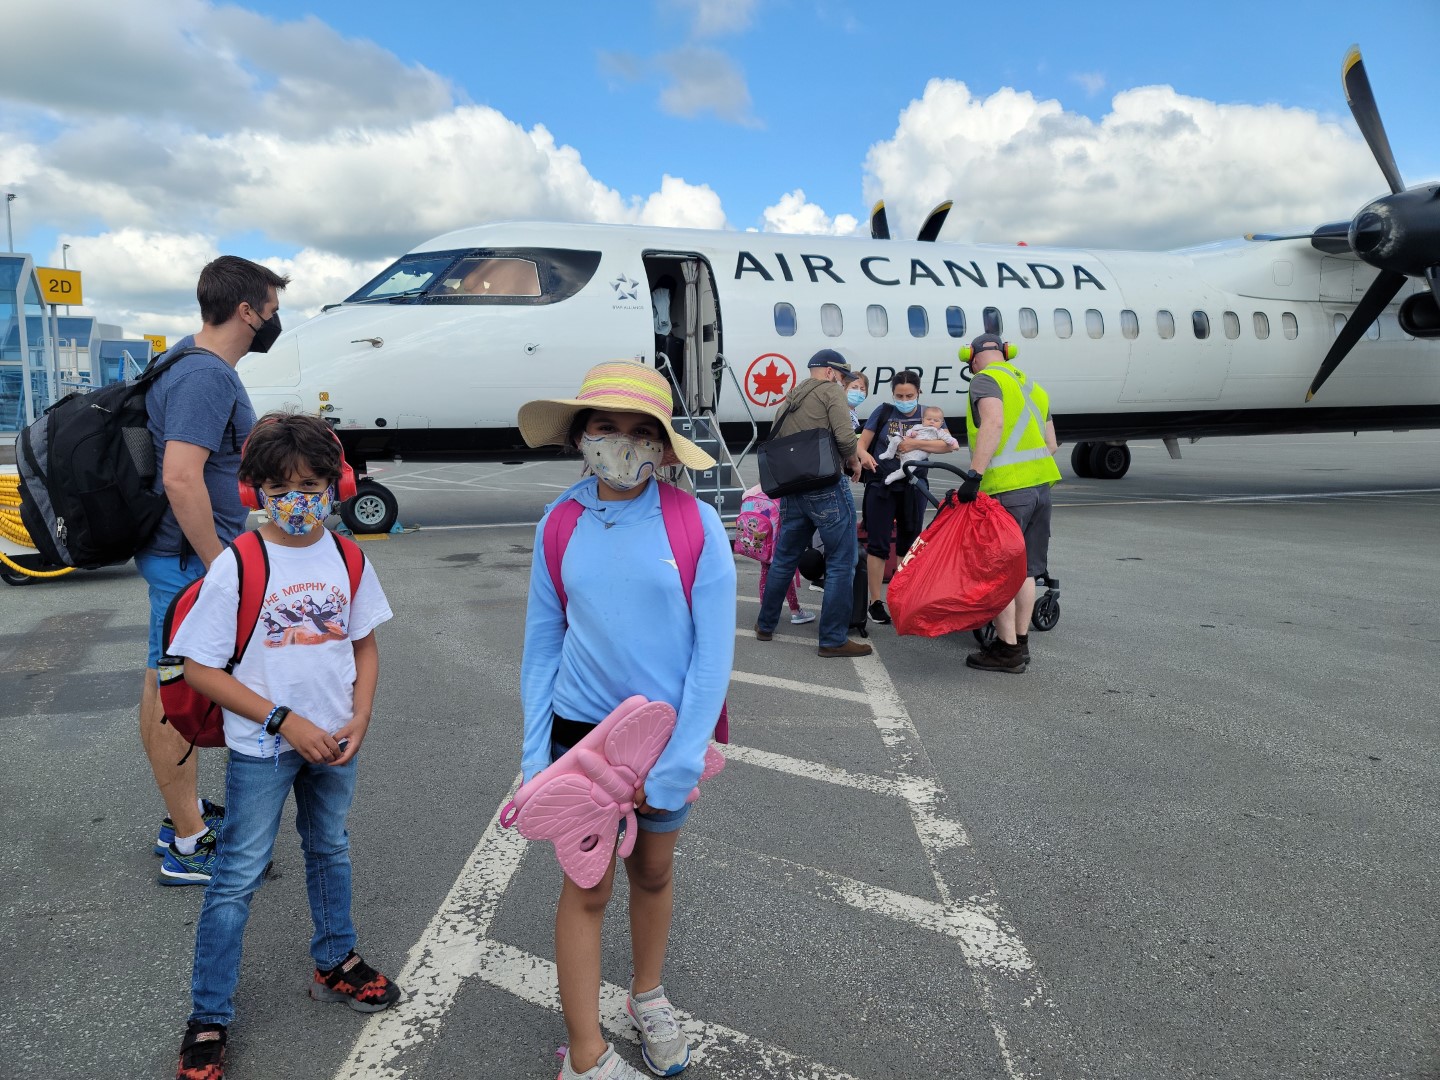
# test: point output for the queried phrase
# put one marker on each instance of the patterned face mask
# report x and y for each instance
(622, 461)
(299, 513)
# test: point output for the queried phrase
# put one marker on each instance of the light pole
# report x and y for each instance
(65, 263)
(9, 231)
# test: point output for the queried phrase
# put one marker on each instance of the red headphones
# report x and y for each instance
(345, 487)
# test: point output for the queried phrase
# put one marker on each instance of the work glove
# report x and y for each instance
(970, 488)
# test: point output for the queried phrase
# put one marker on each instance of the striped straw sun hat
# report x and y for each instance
(616, 386)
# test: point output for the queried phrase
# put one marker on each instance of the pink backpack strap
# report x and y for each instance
(686, 533)
(559, 527)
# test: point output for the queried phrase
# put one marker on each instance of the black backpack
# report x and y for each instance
(87, 470)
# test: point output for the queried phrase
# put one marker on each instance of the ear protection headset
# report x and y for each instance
(345, 487)
(967, 354)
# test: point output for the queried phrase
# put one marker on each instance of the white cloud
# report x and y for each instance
(1091, 81)
(793, 214)
(679, 205)
(705, 80)
(712, 17)
(1160, 170)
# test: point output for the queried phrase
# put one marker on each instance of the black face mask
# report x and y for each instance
(266, 335)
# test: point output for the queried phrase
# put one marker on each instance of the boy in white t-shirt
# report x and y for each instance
(297, 708)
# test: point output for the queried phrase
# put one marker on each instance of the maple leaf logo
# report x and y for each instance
(770, 383)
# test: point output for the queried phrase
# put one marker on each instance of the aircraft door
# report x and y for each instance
(687, 326)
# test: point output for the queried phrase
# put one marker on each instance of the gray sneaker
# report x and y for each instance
(611, 1066)
(662, 1043)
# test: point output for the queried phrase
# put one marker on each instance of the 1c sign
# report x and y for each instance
(59, 286)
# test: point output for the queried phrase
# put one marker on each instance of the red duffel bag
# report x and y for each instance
(961, 571)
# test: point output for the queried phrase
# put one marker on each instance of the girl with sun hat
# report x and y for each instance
(623, 628)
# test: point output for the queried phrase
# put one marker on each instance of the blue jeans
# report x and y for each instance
(832, 511)
(255, 793)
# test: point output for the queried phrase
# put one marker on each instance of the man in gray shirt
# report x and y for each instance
(199, 418)
(818, 402)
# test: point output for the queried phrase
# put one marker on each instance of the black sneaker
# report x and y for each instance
(355, 983)
(202, 1053)
(1023, 640)
(879, 614)
(998, 657)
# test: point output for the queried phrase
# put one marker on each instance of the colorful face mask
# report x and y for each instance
(299, 513)
(622, 461)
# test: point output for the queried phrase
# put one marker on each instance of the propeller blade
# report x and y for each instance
(931, 229)
(1382, 290)
(1367, 116)
(879, 226)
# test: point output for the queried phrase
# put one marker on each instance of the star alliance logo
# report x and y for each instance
(625, 288)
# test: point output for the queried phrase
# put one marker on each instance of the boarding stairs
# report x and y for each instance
(723, 485)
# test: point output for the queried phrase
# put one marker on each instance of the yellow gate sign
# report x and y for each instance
(157, 343)
(59, 286)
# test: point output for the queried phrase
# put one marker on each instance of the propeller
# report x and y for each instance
(879, 226)
(1398, 234)
(931, 229)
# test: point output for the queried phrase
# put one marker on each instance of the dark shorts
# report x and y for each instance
(657, 821)
(1030, 507)
(898, 507)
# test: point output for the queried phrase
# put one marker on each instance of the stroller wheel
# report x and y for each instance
(1047, 611)
(985, 635)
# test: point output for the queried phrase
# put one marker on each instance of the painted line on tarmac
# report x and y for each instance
(801, 687)
(1225, 500)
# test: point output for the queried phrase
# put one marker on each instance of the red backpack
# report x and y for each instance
(188, 711)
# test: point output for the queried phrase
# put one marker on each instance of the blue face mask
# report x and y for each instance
(905, 407)
(855, 397)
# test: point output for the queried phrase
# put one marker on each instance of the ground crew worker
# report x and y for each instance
(1012, 457)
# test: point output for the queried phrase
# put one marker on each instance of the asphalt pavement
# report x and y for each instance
(1197, 839)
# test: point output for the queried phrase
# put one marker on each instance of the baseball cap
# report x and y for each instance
(831, 359)
(985, 341)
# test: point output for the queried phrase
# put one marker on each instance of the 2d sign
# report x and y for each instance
(59, 286)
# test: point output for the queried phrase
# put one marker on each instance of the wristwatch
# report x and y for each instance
(275, 719)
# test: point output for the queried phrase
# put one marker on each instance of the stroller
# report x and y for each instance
(1047, 604)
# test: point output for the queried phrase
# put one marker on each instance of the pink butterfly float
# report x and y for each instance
(579, 801)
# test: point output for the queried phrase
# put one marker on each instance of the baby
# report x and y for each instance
(931, 426)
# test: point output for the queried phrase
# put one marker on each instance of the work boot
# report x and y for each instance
(850, 648)
(998, 657)
(1023, 640)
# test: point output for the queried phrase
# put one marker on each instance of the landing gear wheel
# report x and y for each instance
(373, 510)
(1047, 611)
(985, 635)
(1080, 460)
(1109, 461)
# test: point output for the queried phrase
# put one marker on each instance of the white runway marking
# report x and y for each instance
(455, 946)
(1214, 500)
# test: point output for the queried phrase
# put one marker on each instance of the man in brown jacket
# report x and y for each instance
(818, 402)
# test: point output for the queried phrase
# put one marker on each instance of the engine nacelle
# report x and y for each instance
(1420, 315)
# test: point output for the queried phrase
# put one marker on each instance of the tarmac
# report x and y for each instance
(1198, 838)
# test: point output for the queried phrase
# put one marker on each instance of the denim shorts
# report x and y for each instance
(658, 821)
(166, 577)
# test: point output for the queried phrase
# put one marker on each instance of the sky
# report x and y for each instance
(326, 138)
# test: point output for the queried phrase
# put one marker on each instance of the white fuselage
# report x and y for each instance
(419, 377)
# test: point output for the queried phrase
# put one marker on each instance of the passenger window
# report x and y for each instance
(877, 319)
(1029, 322)
(1339, 323)
(1064, 325)
(1129, 324)
(1165, 324)
(1290, 324)
(1201, 322)
(1232, 325)
(1262, 325)
(832, 323)
(785, 320)
(919, 321)
(1373, 333)
(491, 277)
(993, 323)
(955, 321)
(1094, 323)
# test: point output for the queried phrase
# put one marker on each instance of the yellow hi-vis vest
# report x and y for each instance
(1022, 459)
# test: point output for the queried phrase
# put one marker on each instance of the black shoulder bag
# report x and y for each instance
(804, 461)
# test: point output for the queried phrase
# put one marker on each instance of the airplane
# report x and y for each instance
(432, 358)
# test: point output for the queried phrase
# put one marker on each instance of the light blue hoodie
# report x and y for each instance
(630, 632)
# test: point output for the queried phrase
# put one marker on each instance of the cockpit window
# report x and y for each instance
(490, 277)
(482, 276)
